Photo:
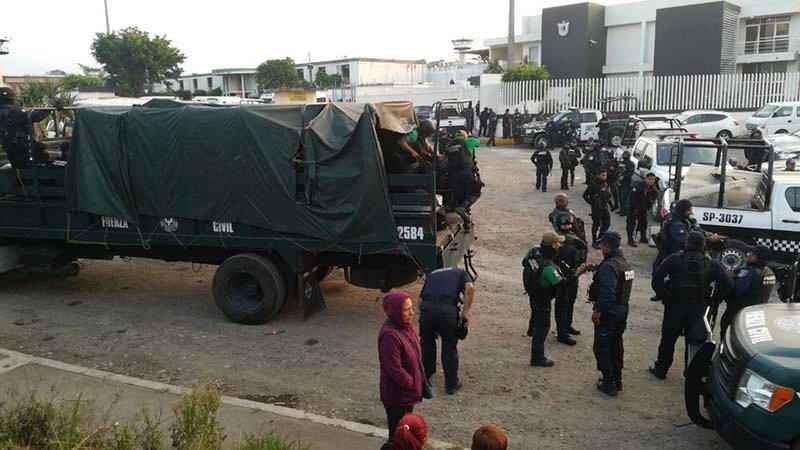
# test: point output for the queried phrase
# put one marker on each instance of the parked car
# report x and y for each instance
(555, 131)
(787, 146)
(710, 124)
(774, 118)
(423, 112)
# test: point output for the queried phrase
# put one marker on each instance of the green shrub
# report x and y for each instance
(269, 441)
(196, 425)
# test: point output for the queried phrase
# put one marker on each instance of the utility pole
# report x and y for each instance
(511, 43)
(108, 24)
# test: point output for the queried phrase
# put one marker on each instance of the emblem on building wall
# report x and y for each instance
(563, 28)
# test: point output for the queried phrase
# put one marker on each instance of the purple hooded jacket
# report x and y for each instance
(399, 354)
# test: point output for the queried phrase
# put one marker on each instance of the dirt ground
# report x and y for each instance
(158, 321)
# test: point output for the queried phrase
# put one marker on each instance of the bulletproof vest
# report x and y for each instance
(15, 135)
(541, 156)
(691, 282)
(762, 286)
(625, 276)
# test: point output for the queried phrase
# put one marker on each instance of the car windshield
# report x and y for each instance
(423, 109)
(559, 116)
(682, 118)
(668, 154)
(766, 111)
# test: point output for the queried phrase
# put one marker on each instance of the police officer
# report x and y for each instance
(571, 256)
(686, 296)
(16, 129)
(591, 161)
(569, 157)
(643, 195)
(752, 285)
(507, 124)
(562, 209)
(543, 161)
(517, 124)
(613, 179)
(626, 169)
(492, 128)
(598, 196)
(543, 287)
(674, 230)
(445, 290)
(602, 130)
(610, 292)
(483, 118)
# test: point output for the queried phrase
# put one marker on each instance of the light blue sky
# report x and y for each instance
(56, 34)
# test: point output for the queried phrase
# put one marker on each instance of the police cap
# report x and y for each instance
(550, 238)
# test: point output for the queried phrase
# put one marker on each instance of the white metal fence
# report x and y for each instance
(418, 94)
(646, 94)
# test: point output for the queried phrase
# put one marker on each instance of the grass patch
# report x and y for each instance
(36, 424)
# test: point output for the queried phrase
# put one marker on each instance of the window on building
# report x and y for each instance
(180, 84)
(194, 83)
(768, 67)
(767, 35)
(301, 74)
(793, 198)
(210, 83)
(344, 70)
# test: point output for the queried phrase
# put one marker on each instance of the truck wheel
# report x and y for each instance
(249, 289)
(323, 272)
(734, 255)
(537, 142)
(727, 135)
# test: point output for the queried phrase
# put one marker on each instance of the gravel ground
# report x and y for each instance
(158, 321)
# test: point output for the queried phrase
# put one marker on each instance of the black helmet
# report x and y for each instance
(626, 154)
(683, 206)
(6, 96)
(426, 128)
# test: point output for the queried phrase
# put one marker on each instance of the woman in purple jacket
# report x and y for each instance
(400, 358)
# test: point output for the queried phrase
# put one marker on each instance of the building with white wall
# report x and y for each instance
(662, 37)
(367, 71)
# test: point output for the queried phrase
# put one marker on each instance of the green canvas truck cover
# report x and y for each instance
(237, 164)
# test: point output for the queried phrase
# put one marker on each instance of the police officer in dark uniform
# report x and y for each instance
(643, 195)
(517, 124)
(626, 168)
(591, 160)
(613, 179)
(752, 285)
(610, 293)
(569, 157)
(602, 130)
(598, 196)
(444, 292)
(492, 129)
(543, 161)
(675, 230)
(16, 129)
(571, 256)
(686, 296)
(562, 209)
(507, 122)
(483, 119)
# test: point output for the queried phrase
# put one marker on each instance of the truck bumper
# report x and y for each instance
(723, 413)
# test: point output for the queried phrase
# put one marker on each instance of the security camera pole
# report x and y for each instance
(511, 53)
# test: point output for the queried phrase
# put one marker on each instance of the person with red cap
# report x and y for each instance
(401, 374)
(411, 433)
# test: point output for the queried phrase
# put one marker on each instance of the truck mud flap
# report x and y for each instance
(696, 384)
(310, 293)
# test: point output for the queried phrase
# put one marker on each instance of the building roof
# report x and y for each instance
(342, 60)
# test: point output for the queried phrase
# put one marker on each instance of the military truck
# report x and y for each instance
(276, 196)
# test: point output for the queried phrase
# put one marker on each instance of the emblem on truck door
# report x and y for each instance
(563, 28)
(169, 224)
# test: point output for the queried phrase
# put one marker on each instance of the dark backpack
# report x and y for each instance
(532, 265)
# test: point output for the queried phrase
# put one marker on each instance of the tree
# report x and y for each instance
(325, 81)
(277, 73)
(36, 94)
(494, 67)
(216, 92)
(200, 93)
(525, 72)
(75, 81)
(133, 59)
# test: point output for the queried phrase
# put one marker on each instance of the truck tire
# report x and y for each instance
(323, 272)
(734, 255)
(249, 289)
(541, 138)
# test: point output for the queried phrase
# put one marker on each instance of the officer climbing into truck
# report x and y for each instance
(414, 149)
(626, 168)
(598, 196)
(16, 129)
(610, 293)
(447, 298)
(571, 256)
(684, 282)
(602, 130)
(543, 161)
(752, 285)
(569, 157)
(642, 196)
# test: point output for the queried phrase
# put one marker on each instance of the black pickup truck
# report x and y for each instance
(276, 196)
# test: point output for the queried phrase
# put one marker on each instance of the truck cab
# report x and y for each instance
(557, 130)
(750, 381)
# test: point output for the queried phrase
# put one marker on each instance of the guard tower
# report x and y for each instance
(461, 46)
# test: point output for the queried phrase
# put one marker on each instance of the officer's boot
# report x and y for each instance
(607, 386)
(632, 241)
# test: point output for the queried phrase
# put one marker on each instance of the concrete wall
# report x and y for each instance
(419, 95)
(374, 72)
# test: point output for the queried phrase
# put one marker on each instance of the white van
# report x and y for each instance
(774, 118)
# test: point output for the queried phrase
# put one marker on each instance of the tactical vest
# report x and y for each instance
(761, 288)
(691, 282)
(625, 276)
